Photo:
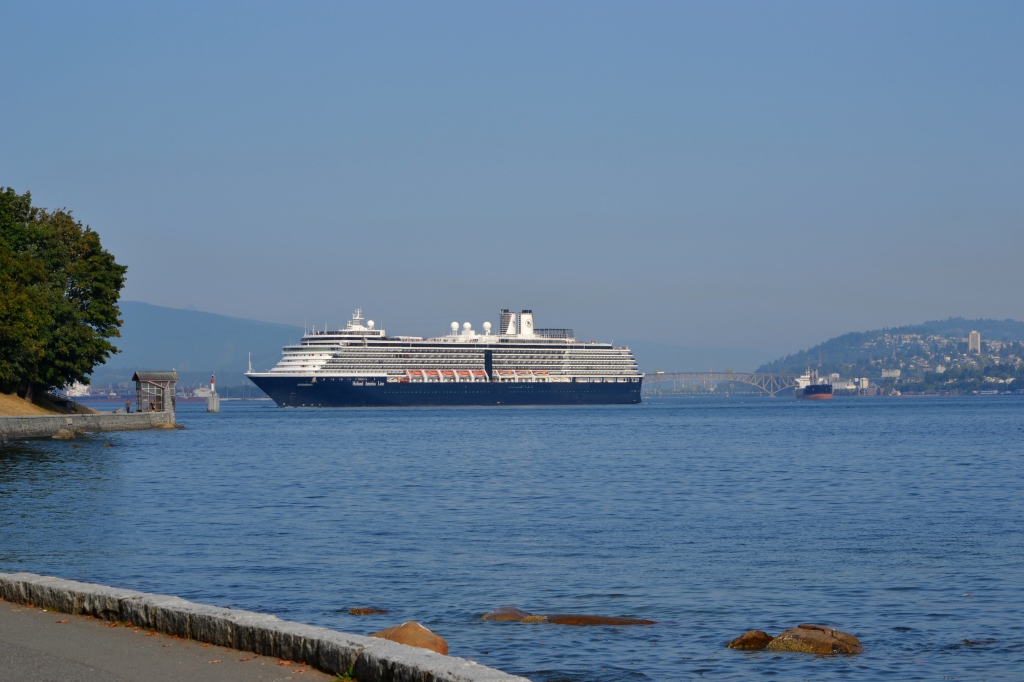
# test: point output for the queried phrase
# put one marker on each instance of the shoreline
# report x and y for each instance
(367, 659)
(67, 426)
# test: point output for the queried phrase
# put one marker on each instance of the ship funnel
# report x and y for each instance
(507, 325)
(526, 323)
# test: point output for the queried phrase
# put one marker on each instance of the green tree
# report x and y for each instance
(22, 293)
(58, 297)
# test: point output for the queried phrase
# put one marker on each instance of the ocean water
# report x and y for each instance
(899, 520)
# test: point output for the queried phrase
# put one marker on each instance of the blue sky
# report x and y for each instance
(753, 174)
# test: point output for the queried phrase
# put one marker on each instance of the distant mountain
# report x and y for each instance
(915, 350)
(196, 344)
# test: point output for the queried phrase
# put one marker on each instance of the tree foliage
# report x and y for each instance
(58, 297)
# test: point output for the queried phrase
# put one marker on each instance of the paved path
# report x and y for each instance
(44, 646)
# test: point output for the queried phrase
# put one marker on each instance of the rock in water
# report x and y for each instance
(816, 639)
(366, 611)
(518, 615)
(751, 640)
(414, 634)
(582, 619)
(63, 434)
(506, 613)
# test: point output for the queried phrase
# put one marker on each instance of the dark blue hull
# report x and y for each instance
(345, 392)
(816, 392)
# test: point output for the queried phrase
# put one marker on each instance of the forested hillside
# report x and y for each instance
(196, 344)
(930, 357)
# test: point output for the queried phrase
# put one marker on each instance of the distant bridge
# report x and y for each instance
(769, 383)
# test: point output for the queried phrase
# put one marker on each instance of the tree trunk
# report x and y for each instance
(29, 392)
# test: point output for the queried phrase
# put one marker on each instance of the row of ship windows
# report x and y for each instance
(458, 346)
(456, 353)
(518, 379)
(460, 361)
(474, 361)
(426, 361)
(402, 371)
(474, 365)
(585, 378)
(422, 361)
(475, 358)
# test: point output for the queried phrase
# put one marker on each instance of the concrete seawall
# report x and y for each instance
(367, 659)
(47, 427)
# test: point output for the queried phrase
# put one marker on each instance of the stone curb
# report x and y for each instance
(42, 426)
(369, 659)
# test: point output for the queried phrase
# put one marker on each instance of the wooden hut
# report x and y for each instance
(154, 391)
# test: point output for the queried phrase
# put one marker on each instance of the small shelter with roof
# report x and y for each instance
(154, 391)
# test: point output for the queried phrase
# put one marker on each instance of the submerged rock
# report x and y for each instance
(515, 614)
(519, 615)
(366, 611)
(414, 634)
(751, 640)
(506, 613)
(63, 434)
(816, 639)
(582, 619)
(984, 642)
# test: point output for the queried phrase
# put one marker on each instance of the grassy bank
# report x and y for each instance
(13, 406)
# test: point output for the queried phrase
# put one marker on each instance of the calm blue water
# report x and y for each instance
(898, 520)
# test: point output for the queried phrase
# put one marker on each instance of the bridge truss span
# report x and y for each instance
(772, 384)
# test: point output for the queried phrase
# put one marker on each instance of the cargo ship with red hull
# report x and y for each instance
(516, 364)
(810, 387)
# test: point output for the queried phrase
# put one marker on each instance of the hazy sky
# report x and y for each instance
(761, 174)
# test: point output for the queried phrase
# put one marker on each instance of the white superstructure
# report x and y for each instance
(515, 352)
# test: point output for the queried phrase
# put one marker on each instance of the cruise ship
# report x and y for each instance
(361, 366)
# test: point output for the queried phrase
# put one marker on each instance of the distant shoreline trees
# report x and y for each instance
(58, 297)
